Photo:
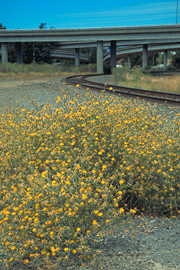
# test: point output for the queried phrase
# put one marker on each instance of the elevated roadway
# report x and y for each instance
(78, 57)
(136, 35)
(138, 50)
(125, 36)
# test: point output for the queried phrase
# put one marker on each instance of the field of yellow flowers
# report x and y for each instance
(70, 168)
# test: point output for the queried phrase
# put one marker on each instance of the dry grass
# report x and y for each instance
(169, 84)
(13, 70)
(137, 79)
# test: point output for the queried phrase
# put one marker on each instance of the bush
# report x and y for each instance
(147, 69)
(120, 73)
(74, 166)
(136, 73)
(107, 68)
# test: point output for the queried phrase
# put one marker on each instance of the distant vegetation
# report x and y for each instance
(13, 69)
(154, 59)
(2, 27)
(137, 79)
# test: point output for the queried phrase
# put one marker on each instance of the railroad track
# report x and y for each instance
(155, 96)
(161, 73)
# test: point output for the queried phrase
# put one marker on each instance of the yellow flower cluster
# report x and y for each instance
(67, 171)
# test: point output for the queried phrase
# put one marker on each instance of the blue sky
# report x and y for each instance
(22, 14)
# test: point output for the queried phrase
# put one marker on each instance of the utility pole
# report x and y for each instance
(177, 13)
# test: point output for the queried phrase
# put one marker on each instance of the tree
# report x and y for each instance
(175, 62)
(92, 56)
(39, 52)
(11, 53)
(136, 60)
(42, 50)
(27, 52)
(2, 27)
(153, 59)
(42, 26)
(160, 59)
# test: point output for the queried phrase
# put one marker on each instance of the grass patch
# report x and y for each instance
(137, 79)
(71, 168)
(35, 70)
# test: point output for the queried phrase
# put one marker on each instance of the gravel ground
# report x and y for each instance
(145, 243)
(42, 90)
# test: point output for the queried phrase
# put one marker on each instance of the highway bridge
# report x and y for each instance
(76, 55)
(143, 36)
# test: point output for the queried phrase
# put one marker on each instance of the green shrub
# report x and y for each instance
(120, 73)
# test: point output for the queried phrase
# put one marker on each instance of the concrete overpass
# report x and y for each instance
(126, 36)
(125, 52)
(78, 57)
(138, 50)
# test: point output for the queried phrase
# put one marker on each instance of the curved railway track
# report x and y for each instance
(155, 96)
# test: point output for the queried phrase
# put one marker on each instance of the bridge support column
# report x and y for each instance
(129, 61)
(165, 59)
(19, 53)
(113, 54)
(100, 57)
(77, 62)
(4, 51)
(145, 56)
(62, 61)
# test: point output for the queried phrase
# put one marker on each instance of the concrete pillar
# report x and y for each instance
(165, 59)
(129, 61)
(77, 62)
(19, 52)
(4, 52)
(113, 54)
(62, 61)
(145, 56)
(100, 57)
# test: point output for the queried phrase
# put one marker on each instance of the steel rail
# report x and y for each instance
(155, 96)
